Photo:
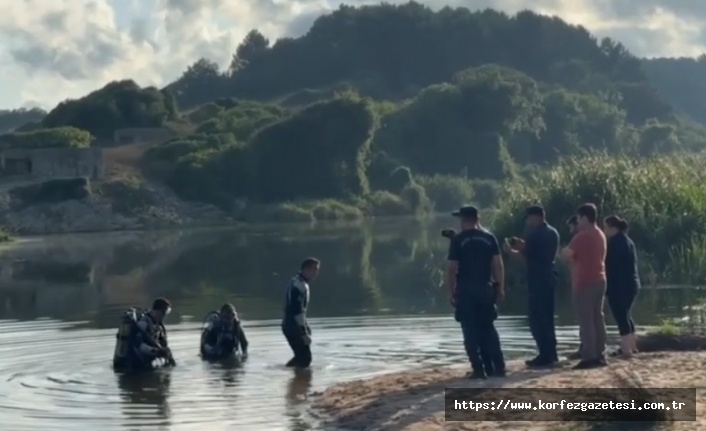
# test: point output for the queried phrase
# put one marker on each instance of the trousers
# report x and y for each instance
(302, 351)
(588, 304)
(480, 337)
(621, 302)
(541, 315)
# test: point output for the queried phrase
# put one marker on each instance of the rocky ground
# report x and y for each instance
(158, 207)
(123, 200)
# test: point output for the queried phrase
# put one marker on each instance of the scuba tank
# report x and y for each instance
(212, 316)
(128, 324)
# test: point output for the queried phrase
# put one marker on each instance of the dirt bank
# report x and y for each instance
(414, 401)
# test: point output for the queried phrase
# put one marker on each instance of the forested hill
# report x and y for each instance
(11, 119)
(393, 51)
(682, 82)
(393, 109)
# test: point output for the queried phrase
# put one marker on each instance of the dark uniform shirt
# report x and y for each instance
(541, 248)
(474, 250)
(621, 264)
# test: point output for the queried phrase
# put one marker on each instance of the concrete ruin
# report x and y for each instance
(51, 163)
(141, 135)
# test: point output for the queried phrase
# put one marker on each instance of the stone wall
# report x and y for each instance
(46, 163)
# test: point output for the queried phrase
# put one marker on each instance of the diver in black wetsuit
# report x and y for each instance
(142, 339)
(224, 336)
(294, 324)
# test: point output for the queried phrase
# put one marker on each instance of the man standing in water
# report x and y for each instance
(474, 263)
(294, 324)
(539, 251)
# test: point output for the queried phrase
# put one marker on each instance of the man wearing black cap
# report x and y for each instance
(539, 250)
(474, 263)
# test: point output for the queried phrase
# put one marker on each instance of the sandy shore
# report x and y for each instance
(414, 401)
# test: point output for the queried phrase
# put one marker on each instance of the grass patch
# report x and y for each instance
(663, 198)
(4, 236)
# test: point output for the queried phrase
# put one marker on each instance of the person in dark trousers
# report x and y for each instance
(475, 281)
(623, 281)
(539, 250)
(294, 324)
(487, 361)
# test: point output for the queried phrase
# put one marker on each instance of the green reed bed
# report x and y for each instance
(663, 198)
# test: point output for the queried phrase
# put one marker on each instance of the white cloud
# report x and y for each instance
(52, 50)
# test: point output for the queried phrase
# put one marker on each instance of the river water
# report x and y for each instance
(374, 309)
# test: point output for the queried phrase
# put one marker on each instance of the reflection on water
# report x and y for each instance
(60, 300)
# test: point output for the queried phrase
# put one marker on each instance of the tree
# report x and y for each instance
(120, 104)
(254, 46)
(322, 151)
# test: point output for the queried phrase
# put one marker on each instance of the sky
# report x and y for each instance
(51, 50)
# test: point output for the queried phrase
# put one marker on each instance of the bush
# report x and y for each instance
(4, 236)
(128, 195)
(447, 192)
(330, 209)
(384, 203)
(663, 198)
(59, 137)
(320, 152)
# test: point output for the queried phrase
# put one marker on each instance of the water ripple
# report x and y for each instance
(55, 377)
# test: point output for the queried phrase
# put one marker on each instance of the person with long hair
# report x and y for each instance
(623, 280)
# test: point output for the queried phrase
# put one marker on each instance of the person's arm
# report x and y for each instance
(569, 252)
(145, 344)
(451, 268)
(498, 269)
(297, 297)
(242, 339)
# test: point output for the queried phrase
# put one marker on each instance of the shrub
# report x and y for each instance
(59, 137)
(447, 192)
(331, 209)
(384, 203)
(4, 236)
(663, 198)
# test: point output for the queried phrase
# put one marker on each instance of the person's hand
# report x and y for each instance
(507, 248)
(306, 339)
(519, 243)
(452, 301)
(308, 330)
(567, 253)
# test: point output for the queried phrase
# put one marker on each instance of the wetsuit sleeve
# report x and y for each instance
(242, 339)
(297, 302)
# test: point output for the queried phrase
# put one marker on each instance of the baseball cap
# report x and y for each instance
(466, 211)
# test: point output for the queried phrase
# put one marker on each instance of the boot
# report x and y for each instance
(626, 348)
